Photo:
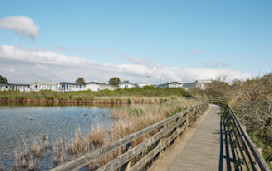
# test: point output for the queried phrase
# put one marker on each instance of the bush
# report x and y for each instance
(252, 102)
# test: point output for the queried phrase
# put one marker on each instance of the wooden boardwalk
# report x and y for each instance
(201, 148)
(214, 142)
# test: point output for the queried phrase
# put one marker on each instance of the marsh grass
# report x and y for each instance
(31, 165)
(37, 149)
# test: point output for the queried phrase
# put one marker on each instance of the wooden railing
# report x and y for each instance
(160, 136)
(219, 102)
(247, 155)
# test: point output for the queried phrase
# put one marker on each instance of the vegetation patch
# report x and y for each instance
(118, 96)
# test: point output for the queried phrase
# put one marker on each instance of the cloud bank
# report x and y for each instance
(28, 65)
(23, 26)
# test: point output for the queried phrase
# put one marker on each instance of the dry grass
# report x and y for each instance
(97, 136)
(135, 117)
(31, 165)
(26, 153)
(23, 162)
(37, 149)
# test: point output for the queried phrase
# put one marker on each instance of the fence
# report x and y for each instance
(247, 155)
(157, 138)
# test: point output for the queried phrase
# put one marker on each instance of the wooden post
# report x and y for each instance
(126, 166)
(260, 150)
(161, 140)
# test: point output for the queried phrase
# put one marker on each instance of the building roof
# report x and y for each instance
(172, 82)
(93, 83)
(71, 83)
(46, 83)
(18, 84)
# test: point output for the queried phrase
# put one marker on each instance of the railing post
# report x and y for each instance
(177, 120)
(127, 166)
(194, 112)
(185, 123)
(161, 139)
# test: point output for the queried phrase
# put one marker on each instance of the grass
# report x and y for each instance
(118, 96)
(37, 149)
(31, 165)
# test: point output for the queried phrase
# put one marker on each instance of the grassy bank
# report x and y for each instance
(118, 96)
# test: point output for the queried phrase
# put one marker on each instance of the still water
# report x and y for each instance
(20, 124)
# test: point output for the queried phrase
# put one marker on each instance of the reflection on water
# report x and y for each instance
(24, 123)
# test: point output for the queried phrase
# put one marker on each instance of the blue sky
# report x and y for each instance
(201, 39)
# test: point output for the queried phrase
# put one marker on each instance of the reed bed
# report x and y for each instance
(126, 120)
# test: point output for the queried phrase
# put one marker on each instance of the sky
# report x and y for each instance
(143, 41)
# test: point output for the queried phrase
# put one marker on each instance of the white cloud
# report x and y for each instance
(23, 26)
(42, 65)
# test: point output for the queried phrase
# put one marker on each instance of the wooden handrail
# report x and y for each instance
(169, 129)
(258, 157)
(255, 158)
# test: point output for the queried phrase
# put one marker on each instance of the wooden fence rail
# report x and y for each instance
(160, 136)
(246, 150)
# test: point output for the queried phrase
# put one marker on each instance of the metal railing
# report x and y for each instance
(247, 154)
(164, 133)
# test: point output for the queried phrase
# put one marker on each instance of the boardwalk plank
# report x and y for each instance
(202, 151)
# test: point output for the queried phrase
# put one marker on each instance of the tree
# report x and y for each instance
(80, 80)
(114, 81)
(3, 80)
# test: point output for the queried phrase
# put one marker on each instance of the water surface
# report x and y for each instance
(20, 123)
